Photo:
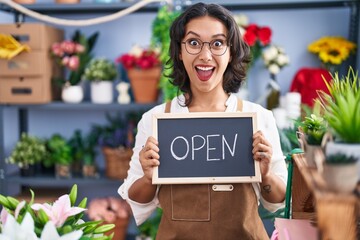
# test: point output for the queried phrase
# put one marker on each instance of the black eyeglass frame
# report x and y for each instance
(202, 45)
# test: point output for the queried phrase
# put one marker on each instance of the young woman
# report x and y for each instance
(209, 59)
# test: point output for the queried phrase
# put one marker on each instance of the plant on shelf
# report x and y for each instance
(61, 219)
(332, 51)
(83, 152)
(161, 38)
(101, 72)
(59, 155)
(115, 138)
(100, 69)
(314, 127)
(342, 106)
(341, 111)
(143, 69)
(28, 151)
(73, 55)
(111, 210)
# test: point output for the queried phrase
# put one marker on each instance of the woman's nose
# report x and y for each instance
(205, 53)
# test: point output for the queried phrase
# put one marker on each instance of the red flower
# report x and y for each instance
(264, 34)
(147, 59)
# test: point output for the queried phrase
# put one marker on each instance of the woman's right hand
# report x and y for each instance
(149, 157)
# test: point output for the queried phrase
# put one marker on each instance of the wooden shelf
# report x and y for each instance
(336, 214)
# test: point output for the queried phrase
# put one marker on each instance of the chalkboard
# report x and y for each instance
(205, 148)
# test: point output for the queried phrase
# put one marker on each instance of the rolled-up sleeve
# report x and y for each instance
(141, 211)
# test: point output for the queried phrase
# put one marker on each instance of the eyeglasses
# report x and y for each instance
(194, 46)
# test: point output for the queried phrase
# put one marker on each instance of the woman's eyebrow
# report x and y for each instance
(213, 36)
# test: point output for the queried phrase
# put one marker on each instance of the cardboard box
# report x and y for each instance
(37, 36)
(27, 90)
(26, 78)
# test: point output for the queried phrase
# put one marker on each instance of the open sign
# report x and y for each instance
(205, 148)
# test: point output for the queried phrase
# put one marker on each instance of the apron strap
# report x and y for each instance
(167, 107)
(239, 105)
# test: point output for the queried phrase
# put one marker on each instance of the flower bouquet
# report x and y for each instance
(58, 220)
(140, 58)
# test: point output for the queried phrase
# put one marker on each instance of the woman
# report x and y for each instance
(209, 59)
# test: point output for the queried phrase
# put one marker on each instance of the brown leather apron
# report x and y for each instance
(204, 211)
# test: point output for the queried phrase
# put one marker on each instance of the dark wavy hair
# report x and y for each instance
(235, 72)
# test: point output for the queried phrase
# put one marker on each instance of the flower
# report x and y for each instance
(275, 59)
(332, 50)
(140, 58)
(108, 209)
(60, 220)
(257, 37)
(100, 69)
(73, 55)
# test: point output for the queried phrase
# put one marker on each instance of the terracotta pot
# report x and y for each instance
(120, 230)
(24, 1)
(117, 161)
(63, 171)
(144, 84)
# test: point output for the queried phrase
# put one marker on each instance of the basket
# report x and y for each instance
(117, 161)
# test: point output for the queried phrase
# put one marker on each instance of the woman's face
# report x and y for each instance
(205, 69)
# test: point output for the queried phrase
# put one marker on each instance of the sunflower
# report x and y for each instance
(332, 50)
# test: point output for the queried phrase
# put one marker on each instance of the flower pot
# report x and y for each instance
(101, 92)
(89, 171)
(120, 230)
(63, 171)
(28, 171)
(144, 84)
(72, 94)
(341, 177)
(117, 162)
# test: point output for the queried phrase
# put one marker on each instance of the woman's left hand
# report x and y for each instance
(262, 152)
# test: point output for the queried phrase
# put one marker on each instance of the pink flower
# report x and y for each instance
(68, 47)
(73, 63)
(57, 50)
(59, 211)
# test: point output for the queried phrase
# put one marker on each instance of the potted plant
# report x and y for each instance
(143, 69)
(83, 152)
(341, 110)
(310, 135)
(59, 155)
(73, 55)
(28, 151)
(115, 138)
(101, 72)
(111, 210)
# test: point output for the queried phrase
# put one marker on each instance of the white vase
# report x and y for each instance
(72, 94)
(101, 92)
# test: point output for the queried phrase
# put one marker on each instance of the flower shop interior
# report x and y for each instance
(69, 137)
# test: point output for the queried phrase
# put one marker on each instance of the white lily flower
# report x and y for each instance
(12, 230)
(49, 232)
(282, 60)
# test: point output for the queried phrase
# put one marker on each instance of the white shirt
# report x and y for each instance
(265, 123)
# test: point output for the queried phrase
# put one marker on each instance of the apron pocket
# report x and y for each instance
(190, 202)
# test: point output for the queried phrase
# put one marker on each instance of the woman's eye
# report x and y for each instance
(217, 43)
(193, 42)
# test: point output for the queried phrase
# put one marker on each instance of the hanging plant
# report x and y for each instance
(161, 38)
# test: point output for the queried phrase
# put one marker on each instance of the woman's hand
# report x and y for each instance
(149, 157)
(262, 152)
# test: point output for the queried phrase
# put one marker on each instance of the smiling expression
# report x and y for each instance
(205, 69)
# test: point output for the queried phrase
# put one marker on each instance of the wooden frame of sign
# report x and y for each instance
(200, 148)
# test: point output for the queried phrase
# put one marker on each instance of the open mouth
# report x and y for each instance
(204, 73)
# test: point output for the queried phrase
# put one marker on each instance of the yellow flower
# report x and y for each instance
(332, 50)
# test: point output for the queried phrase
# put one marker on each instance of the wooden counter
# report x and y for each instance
(335, 214)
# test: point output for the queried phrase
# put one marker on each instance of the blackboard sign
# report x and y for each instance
(205, 148)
